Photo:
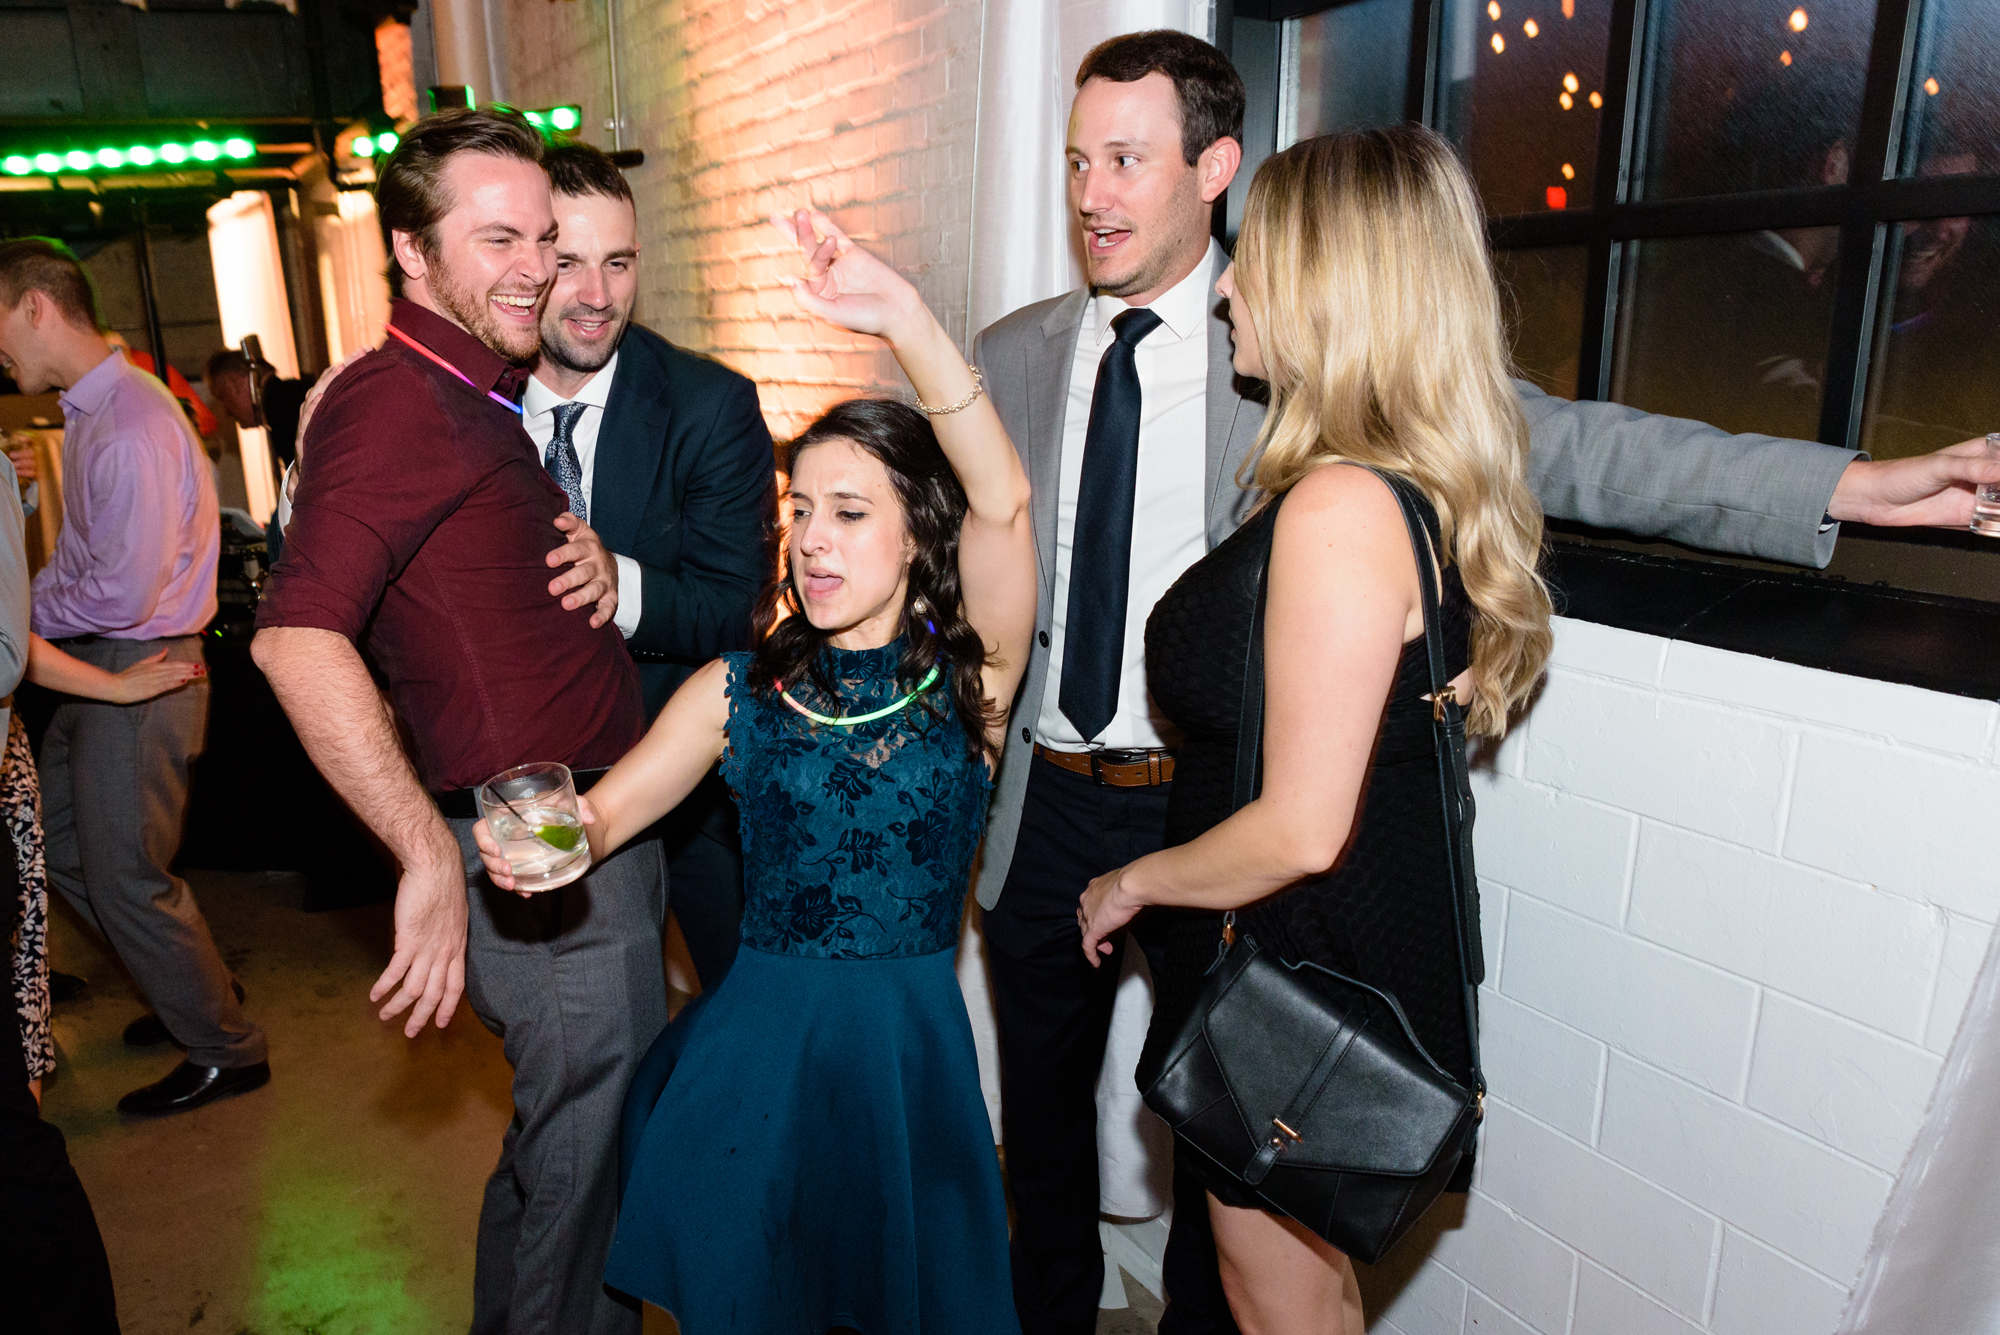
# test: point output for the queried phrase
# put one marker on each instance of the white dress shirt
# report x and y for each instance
(538, 414)
(1169, 524)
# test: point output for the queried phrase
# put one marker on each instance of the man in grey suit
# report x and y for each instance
(1121, 400)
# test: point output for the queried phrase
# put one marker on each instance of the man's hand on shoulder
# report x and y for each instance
(592, 576)
(322, 385)
(1930, 490)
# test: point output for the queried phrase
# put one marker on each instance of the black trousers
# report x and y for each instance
(54, 1278)
(1054, 1016)
(705, 876)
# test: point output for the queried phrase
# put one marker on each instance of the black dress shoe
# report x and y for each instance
(149, 1030)
(66, 986)
(189, 1086)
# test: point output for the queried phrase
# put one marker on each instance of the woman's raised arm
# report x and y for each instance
(847, 286)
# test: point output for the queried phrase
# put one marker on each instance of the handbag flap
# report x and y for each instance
(1384, 1107)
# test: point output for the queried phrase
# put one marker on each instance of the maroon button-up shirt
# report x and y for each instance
(420, 530)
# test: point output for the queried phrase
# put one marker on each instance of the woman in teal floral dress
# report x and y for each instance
(806, 1146)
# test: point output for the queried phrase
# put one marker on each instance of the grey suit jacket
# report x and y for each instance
(1595, 463)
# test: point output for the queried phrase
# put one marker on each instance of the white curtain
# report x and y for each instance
(1935, 1263)
(250, 293)
(1024, 249)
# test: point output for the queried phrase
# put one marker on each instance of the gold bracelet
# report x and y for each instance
(978, 388)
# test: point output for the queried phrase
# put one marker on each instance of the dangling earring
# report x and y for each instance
(918, 607)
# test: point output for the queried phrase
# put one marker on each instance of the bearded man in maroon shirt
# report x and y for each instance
(423, 535)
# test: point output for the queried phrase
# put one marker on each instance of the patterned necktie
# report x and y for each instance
(1100, 562)
(561, 460)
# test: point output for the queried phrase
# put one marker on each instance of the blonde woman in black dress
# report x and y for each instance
(1363, 293)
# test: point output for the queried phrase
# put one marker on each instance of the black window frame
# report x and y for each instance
(1874, 200)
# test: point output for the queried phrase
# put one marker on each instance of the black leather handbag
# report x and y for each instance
(1310, 1087)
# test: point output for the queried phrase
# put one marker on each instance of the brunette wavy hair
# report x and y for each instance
(789, 648)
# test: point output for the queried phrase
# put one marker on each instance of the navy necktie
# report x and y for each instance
(1100, 562)
(561, 460)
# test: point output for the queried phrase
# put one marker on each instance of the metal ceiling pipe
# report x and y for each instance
(459, 36)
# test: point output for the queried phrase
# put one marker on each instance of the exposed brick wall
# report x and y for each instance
(865, 109)
(1732, 920)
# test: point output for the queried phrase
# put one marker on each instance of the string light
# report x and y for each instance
(1569, 172)
(561, 119)
(1566, 100)
(1784, 57)
(1798, 20)
(1931, 87)
(1596, 98)
(1532, 28)
(1493, 10)
(114, 158)
(1570, 83)
(1499, 44)
(1569, 9)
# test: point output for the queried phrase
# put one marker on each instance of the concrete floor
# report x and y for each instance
(342, 1198)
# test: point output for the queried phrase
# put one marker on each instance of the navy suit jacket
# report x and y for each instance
(684, 484)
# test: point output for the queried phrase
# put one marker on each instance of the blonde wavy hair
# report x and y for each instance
(1363, 262)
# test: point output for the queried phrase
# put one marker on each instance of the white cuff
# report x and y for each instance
(630, 603)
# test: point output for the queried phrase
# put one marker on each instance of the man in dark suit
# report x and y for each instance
(665, 454)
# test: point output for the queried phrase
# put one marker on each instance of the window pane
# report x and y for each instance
(1541, 298)
(1936, 379)
(1754, 94)
(1523, 98)
(1953, 125)
(1344, 69)
(1729, 329)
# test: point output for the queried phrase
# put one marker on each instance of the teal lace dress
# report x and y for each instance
(806, 1146)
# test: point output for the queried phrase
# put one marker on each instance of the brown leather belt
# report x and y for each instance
(1119, 769)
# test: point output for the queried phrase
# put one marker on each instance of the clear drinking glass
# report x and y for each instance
(532, 812)
(1986, 501)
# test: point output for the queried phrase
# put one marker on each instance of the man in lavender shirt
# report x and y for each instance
(133, 577)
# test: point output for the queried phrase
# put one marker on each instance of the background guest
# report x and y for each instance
(133, 575)
(275, 408)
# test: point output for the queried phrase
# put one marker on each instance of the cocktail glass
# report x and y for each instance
(532, 812)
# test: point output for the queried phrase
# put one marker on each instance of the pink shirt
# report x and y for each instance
(141, 531)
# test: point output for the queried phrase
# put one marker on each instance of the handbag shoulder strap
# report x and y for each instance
(1250, 720)
(1454, 778)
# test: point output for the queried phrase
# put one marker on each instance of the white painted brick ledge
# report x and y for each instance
(1732, 920)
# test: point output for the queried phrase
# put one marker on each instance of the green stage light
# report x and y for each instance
(386, 141)
(239, 149)
(363, 146)
(110, 157)
(566, 118)
(537, 119)
(141, 156)
(16, 165)
(174, 154)
(79, 159)
(47, 162)
(205, 150)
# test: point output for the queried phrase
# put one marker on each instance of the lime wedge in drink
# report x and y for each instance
(563, 837)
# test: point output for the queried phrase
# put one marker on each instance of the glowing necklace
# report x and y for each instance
(853, 720)
(498, 398)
